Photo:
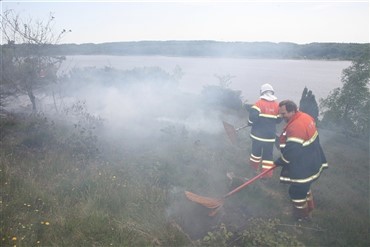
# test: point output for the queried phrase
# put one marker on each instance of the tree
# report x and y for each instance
(25, 63)
(222, 95)
(308, 104)
(349, 106)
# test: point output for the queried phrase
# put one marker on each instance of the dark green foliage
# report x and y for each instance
(218, 97)
(284, 50)
(262, 232)
(219, 237)
(348, 107)
(308, 104)
(333, 51)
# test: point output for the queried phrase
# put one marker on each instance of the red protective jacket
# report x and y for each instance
(302, 156)
(263, 116)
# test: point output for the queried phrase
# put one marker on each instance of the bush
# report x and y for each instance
(349, 107)
(221, 97)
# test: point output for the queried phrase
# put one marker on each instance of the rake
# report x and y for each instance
(216, 204)
(231, 131)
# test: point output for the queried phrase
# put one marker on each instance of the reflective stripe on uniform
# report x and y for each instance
(305, 180)
(256, 108)
(255, 158)
(295, 139)
(262, 139)
(285, 160)
(301, 141)
(299, 200)
(311, 140)
(268, 116)
(266, 164)
(300, 203)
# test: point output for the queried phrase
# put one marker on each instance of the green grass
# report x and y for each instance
(132, 195)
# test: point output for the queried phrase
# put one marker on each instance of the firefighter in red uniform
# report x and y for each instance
(302, 158)
(263, 117)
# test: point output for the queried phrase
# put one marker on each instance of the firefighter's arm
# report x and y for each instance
(253, 114)
(291, 152)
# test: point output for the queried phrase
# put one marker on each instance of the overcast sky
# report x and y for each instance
(297, 21)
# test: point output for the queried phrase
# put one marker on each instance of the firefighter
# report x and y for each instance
(302, 158)
(263, 117)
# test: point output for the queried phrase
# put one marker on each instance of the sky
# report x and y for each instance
(299, 21)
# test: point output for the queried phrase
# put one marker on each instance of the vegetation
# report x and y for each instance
(25, 66)
(67, 182)
(332, 51)
(348, 107)
(222, 95)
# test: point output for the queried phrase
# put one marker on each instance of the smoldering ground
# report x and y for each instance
(162, 138)
(172, 139)
(150, 142)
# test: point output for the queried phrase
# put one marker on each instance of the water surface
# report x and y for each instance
(288, 77)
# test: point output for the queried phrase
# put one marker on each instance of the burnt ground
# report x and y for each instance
(268, 199)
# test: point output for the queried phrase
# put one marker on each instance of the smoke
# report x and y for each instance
(140, 102)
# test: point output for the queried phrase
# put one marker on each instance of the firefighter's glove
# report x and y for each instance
(277, 163)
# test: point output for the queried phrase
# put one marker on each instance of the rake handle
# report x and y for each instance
(242, 127)
(237, 189)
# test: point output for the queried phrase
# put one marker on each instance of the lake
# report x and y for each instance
(288, 77)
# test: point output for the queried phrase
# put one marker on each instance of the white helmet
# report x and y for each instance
(266, 87)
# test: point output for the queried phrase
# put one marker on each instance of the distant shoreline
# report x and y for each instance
(252, 50)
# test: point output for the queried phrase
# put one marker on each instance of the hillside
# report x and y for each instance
(108, 156)
(82, 185)
(203, 48)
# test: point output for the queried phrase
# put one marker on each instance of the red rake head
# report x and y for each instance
(231, 132)
(208, 202)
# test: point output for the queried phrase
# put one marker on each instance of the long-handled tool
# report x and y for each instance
(216, 204)
(231, 131)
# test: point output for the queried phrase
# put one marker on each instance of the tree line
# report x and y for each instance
(319, 51)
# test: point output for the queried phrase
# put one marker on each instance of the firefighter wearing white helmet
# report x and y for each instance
(267, 89)
(263, 117)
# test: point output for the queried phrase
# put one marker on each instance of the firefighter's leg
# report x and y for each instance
(267, 158)
(310, 201)
(298, 195)
(256, 154)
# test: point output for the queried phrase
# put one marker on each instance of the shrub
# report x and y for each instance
(349, 106)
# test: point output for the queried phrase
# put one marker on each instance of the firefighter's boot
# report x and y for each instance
(266, 165)
(255, 161)
(310, 201)
(300, 210)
